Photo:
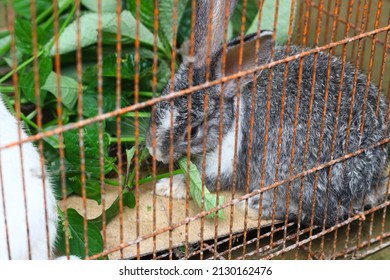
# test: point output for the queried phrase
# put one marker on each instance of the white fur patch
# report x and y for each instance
(178, 187)
(227, 155)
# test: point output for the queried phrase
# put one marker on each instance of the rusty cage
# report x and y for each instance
(85, 77)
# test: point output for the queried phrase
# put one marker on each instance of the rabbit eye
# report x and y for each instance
(194, 132)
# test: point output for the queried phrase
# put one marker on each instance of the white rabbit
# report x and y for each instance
(13, 180)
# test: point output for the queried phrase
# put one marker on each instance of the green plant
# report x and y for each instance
(98, 138)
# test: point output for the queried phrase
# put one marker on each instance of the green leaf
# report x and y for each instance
(210, 200)
(106, 5)
(267, 20)
(113, 210)
(129, 156)
(23, 7)
(68, 88)
(92, 187)
(90, 100)
(145, 65)
(166, 8)
(5, 44)
(147, 12)
(128, 31)
(23, 34)
(27, 80)
(91, 150)
(88, 32)
(76, 236)
(129, 199)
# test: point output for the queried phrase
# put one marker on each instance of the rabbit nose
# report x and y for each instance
(158, 154)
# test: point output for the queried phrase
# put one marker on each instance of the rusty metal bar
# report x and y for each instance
(238, 106)
(154, 128)
(100, 124)
(330, 229)
(141, 105)
(118, 92)
(298, 101)
(39, 118)
(221, 125)
(257, 192)
(189, 127)
(15, 79)
(136, 119)
(341, 20)
(254, 97)
(285, 77)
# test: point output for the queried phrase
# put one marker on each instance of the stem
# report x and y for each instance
(28, 121)
(114, 209)
(66, 22)
(112, 182)
(7, 89)
(158, 177)
(20, 67)
(5, 48)
(140, 114)
(43, 51)
(126, 139)
(51, 19)
(44, 14)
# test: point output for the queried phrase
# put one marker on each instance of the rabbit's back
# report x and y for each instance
(347, 182)
(11, 186)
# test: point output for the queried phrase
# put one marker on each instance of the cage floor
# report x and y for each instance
(163, 236)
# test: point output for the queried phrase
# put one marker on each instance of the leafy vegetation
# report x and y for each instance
(66, 82)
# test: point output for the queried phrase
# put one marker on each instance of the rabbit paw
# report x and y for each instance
(178, 187)
(253, 207)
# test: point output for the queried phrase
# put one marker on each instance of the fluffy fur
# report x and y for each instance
(11, 188)
(353, 183)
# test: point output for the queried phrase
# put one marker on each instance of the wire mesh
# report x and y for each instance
(122, 171)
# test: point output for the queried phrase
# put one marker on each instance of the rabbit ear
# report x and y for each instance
(203, 9)
(249, 59)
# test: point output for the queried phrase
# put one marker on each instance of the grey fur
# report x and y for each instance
(354, 182)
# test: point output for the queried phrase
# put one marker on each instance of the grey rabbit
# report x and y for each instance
(354, 184)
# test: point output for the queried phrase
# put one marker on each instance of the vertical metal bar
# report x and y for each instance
(206, 108)
(250, 147)
(285, 76)
(154, 127)
(384, 60)
(270, 81)
(79, 70)
(100, 112)
(171, 129)
(221, 125)
(370, 68)
(15, 79)
(189, 126)
(81, 131)
(358, 10)
(368, 6)
(136, 120)
(39, 118)
(326, 32)
(382, 73)
(362, 47)
(304, 42)
(353, 100)
(242, 34)
(118, 93)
